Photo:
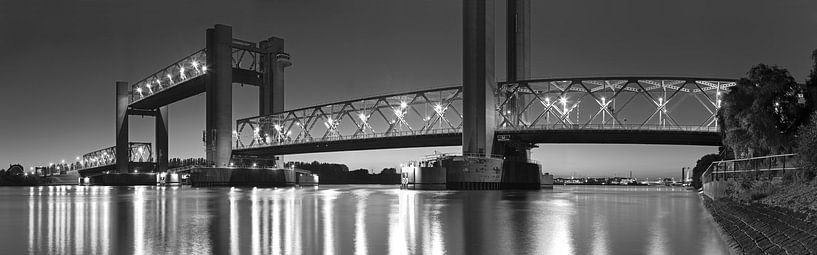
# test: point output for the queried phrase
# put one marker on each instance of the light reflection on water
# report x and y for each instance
(353, 220)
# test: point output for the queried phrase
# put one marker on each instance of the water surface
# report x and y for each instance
(368, 219)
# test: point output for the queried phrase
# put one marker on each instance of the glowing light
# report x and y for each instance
(254, 164)
(139, 90)
(403, 104)
(438, 108)
(563, 100)
(204, 68)
(362, 117)
(195, 64)
(232, 164)
(277, 127)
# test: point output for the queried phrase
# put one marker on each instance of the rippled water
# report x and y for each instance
(354, 219)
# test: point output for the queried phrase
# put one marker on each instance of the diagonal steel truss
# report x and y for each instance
(631, 103)
(611, 103)
(139, 152)
(245, 55)
(433, 111)
(183, 70)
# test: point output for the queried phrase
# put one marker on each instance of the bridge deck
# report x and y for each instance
(455, 138)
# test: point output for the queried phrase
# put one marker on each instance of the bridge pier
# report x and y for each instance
(271, 89)
(161, 139)
(122, 148)
(517, 54)
(518, 172)
(218, 87)
(478, 82)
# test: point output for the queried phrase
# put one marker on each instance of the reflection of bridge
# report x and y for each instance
(484, 117)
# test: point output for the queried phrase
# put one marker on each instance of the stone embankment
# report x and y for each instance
(762, 229)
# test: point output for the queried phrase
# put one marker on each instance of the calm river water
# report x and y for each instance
(354, 220)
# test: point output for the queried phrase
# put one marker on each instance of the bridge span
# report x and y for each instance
(634, 110)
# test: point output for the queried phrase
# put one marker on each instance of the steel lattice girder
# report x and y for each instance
(139, 152)
(424, 112)
(555, 103)
(648, 103)
(183, 70)
(245, 56)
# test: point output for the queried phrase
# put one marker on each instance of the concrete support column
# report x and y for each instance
(271, 91)
(218, 133)
(518, 40)
(161, 139)
(122, 149)
(478, 77)
(518, 51)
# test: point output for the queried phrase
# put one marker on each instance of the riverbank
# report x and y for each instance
(800, 197)
(758, 228)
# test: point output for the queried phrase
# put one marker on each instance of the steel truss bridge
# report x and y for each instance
(636, 110)
(642, 110)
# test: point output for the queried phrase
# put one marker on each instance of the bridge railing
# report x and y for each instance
(633, 127)
(187, 68)
(753, 167)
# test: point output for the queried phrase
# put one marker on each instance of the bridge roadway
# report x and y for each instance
(454, 138)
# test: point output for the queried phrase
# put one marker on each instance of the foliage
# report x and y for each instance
(807, 147)
(701, 166)
(749, 189)
(811, 85)
(761, 113)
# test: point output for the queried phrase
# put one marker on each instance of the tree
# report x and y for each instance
(811, 85)
(700, 168)
(762, 112)
(807, 146)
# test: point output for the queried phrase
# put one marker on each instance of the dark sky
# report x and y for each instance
(59, 61)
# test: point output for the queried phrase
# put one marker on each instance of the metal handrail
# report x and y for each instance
(761, 164)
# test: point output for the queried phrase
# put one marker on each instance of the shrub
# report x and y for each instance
(807, 147)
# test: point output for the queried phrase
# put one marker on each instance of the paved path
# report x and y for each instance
(762, 229)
